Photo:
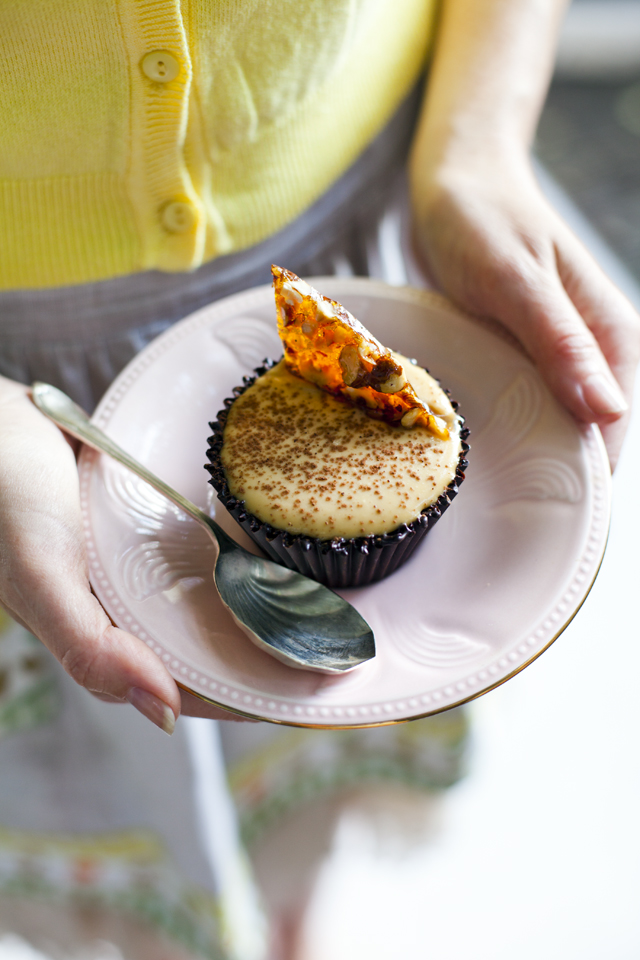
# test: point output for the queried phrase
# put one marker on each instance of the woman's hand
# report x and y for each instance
(485, 233)
(491, 242)
(44, 581)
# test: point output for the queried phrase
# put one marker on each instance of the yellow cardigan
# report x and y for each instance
(139, 134)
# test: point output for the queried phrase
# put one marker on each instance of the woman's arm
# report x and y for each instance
(487, 236)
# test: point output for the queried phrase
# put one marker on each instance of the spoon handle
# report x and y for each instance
(72, 419)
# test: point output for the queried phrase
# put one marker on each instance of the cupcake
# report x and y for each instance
(338, 459)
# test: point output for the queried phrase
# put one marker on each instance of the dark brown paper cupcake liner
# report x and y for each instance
(339, 562)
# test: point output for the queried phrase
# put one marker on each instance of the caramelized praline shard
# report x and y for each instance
(326, 345)
(340, 561)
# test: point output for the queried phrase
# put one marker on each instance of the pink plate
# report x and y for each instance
(494, 584)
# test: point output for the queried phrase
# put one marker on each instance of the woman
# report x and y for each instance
(196, 139)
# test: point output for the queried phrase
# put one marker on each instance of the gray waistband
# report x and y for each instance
(307, 245)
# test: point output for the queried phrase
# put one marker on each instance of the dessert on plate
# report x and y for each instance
(339, 458)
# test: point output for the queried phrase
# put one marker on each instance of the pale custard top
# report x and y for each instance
(308, 463)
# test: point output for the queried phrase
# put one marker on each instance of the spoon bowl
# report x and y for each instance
(296, 620)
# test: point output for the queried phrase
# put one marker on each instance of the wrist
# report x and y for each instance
(459, 165)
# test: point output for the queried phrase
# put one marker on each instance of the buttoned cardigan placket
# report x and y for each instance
(170, 215)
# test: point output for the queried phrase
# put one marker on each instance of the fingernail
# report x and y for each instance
(603, 395)
(105, 697)
(153, 709)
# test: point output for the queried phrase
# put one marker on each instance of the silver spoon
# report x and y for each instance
(300, 622)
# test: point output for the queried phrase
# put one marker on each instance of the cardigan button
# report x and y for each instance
(178, 217)
(161, 66)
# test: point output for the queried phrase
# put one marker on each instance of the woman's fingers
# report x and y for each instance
(114, 665)
(612, 319)
(606, 311)
(541, 314)
(44, 579)
(502, 253)
(107, 661)
(582, 332)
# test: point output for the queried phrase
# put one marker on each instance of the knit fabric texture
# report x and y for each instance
(107, 167)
